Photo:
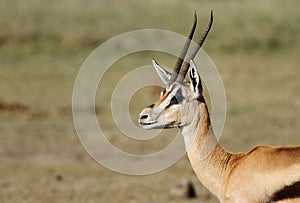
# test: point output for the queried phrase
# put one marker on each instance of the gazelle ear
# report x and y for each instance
(164, 75)
(195, 84)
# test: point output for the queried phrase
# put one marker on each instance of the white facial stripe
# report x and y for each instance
(167, 100)
(162, 93)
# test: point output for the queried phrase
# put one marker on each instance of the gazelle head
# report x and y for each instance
(179, 100)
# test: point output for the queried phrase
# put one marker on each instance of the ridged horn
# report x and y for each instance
(184, 50)
(186, 64)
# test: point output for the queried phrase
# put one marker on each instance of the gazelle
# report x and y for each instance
(265, 174)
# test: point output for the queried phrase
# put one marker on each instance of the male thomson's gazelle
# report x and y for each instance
(263, 175)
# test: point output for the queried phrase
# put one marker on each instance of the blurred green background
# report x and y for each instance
(255, 45)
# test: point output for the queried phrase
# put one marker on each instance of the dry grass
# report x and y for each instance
(254, 44)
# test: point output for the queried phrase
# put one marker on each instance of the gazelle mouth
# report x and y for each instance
(145, 124)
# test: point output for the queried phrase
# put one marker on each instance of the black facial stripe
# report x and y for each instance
(288, 192)
(178, 98)
(172, 102)
(151, 106)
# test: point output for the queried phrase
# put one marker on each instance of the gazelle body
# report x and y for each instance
(263, 175)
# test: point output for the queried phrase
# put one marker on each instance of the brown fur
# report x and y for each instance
(265, 174)
(255, 176)
(261, 175)
(162, 99)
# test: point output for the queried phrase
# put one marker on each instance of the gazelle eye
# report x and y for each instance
(178, 98)
(174, 101)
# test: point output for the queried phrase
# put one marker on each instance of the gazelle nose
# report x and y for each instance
(144, 117)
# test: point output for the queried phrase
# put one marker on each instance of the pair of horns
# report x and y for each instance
(180, 70)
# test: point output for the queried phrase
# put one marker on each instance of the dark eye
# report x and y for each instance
(174, 101)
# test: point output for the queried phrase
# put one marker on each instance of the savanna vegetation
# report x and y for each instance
(254, 44)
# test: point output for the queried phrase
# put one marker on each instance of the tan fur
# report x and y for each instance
(243, 177)
(162, 99)
(263, 175)
(296, 200)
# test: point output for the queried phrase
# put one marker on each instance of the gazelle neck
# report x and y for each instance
(208, 159)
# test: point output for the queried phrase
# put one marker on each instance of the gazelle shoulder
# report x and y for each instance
(292, 151)
(273, 157)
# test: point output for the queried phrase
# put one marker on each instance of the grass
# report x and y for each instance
(254, 44)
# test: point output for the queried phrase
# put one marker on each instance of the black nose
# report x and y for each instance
(144, 116)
